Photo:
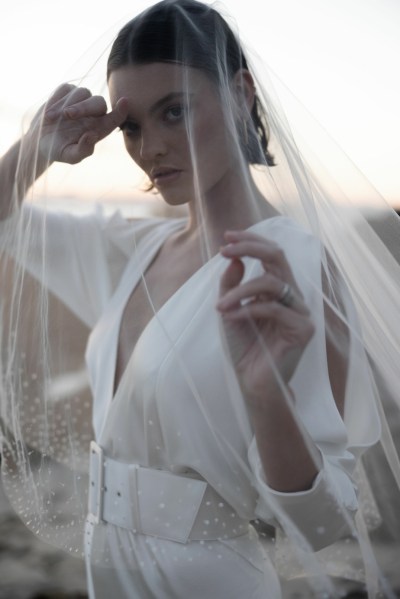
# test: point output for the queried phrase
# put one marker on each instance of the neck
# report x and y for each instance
(234, 202)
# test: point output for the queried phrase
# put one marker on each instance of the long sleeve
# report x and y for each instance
(80, 259)
(323, 513)
(326, 511)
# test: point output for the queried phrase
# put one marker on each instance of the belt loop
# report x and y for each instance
(134, 496)
(96, 489)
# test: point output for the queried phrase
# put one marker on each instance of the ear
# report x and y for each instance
(244, 89)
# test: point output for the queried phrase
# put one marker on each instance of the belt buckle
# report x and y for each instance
(96, 487)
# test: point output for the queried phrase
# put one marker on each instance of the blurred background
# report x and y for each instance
(338, 59)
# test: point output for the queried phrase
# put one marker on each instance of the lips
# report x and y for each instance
(162, 175)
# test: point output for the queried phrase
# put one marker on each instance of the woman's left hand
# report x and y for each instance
(266, 321)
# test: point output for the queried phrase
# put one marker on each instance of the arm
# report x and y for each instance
(266, 340)
(65, 129)
(293, 466)
(19, 169)
(299, 457)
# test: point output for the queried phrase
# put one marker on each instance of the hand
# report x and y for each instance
(265, 337)
(72, 121)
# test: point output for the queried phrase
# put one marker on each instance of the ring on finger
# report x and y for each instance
(286, 297)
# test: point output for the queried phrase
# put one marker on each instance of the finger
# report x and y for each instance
(51, 113)
(118, 114)
(65, 96)
(93, 106)
(60, 92)
(113, 119)
(77, 94)
(301, 326)
(87, 143)
(265, 310)
(74, 153)
(231, 277)
(269, 253)
(244, 234)
(264, 250)
(267, 287)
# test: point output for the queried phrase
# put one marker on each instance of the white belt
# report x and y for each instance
(157, 502)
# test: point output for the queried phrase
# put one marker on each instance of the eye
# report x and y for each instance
(174, 113)
(129, 128)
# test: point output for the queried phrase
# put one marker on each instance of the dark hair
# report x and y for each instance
(169, 32)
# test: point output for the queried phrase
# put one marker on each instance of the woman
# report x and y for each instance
(224, 356)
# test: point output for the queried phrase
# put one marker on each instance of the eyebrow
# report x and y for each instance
(168, 98)
(159, 104)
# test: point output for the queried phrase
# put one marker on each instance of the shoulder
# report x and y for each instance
(279, 225)
(298, 243)
(125, 234)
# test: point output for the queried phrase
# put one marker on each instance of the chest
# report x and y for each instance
(166, 274)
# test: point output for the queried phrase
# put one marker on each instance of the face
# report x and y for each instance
(175, 128)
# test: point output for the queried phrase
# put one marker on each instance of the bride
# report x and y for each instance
(225, 357)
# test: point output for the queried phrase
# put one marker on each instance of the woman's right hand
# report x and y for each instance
(71, 122)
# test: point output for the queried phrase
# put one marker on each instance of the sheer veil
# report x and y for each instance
(60, 273)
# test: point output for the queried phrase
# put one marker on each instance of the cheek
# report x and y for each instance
(212, 143)
(212, 130)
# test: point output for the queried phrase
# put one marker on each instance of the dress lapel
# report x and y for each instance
(101, 351)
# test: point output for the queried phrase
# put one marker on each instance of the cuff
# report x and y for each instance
(321, 514)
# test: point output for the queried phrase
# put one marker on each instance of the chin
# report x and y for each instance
(177, 198)
(173, 200)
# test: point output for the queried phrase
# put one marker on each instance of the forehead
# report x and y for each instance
(145, 84)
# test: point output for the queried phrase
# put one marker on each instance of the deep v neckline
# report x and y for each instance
(130, 289)
(102, 362)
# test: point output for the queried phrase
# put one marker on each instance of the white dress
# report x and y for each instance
(178, 408)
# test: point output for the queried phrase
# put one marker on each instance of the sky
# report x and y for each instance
(339, 58)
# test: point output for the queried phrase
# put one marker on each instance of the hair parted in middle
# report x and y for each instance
(195, 35)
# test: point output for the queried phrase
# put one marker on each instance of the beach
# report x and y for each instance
(32, 569)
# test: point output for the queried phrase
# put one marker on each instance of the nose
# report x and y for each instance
(152, 144)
